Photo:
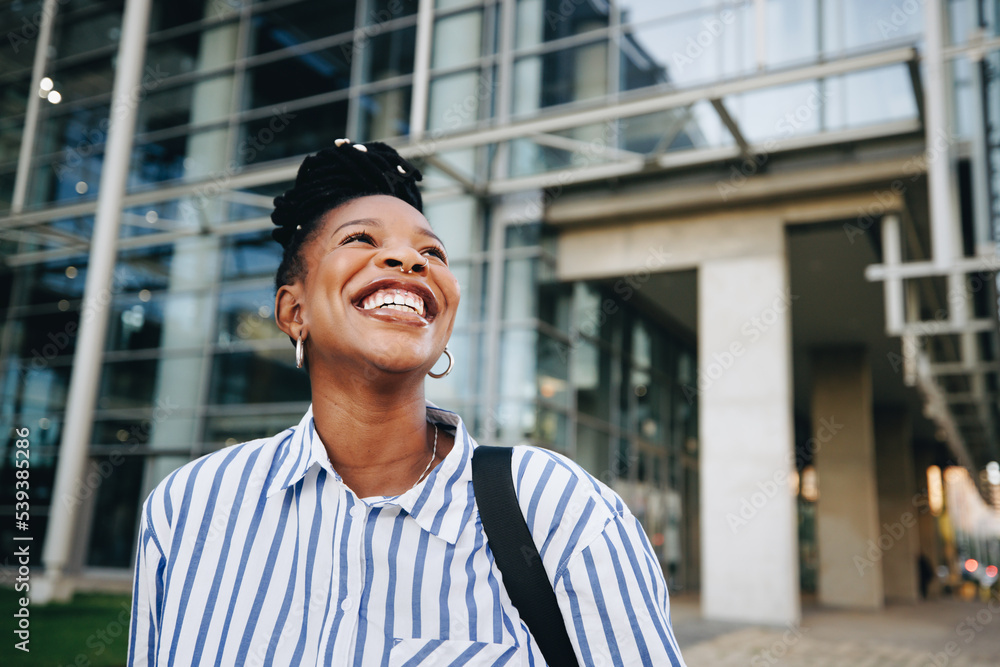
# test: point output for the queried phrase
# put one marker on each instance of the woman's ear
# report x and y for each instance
(288, 309)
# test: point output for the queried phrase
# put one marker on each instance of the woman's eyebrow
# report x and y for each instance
(360, 221)
(431, 235)
(374, 222)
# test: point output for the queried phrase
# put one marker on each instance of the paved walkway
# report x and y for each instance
(931, 634)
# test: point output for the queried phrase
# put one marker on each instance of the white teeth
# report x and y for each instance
(396, 299)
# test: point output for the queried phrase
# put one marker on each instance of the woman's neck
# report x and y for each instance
(376, 433)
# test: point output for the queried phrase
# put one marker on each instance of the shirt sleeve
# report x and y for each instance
(615, 600)
(147, 593)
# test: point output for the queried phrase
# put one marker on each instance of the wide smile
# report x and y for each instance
(394, 299)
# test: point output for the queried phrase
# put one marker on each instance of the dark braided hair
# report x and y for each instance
(332, 177)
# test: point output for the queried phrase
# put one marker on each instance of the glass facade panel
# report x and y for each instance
(115, 482)
(570, 75)
(301, 76)
(541, 21)
(246, 315)
(385, 114)
(291, 26)
(181, 12)
(458, 39)
(854, 24)
(387, 55)
(21, 22)
(691, 48)
(457, 100)
(261, 376)
(226, 430)
(253, 255)
(377, 12)
(89, 30)
(134, 383)
(287, 133)
(793, 34)
(80, 81)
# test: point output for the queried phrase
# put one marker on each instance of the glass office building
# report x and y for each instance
(516, 110)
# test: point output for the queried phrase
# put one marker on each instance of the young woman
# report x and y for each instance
(353, 538)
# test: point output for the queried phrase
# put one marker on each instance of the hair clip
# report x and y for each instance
(400, 169)
(361, 147)
(340, 142)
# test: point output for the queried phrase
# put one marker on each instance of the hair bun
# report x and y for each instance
(338, 174)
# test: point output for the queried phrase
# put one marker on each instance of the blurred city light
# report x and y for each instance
(935, 490)
(971, 565)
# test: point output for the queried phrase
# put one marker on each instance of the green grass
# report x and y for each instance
(90, 631)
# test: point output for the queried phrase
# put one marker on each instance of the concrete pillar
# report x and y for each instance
(847, 520)
(749, 544)
(898, 513)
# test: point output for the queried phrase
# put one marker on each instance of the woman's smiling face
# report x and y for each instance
(377, 288)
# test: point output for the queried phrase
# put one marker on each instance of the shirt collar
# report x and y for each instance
(441, 504)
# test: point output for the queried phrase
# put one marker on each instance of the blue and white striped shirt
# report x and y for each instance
(258, 554)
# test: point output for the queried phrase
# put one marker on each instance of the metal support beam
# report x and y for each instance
(945, 244)
(34, 102)
(83, 389)
(421, 69)
(730, 123)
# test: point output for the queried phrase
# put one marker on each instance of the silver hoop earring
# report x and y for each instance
(451, 364)
(300, 352)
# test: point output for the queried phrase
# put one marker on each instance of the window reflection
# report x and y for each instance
(264, 376)
(227, 430)
(385, 114)
(301, 23)
(250, 256)
(541, 21)
(377, 12)
(305, 75)
(570, 75)
(115, 484)
(87, 31)
(457, 39)
(387, 55)
(308, 130)
(247, 315)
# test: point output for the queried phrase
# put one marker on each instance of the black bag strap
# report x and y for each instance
(517, 556)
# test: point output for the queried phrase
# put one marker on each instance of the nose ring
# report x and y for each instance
(422, 266)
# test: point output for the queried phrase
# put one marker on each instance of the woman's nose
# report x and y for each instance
(404, 258)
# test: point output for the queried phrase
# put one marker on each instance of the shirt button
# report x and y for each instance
(357, 511)
(346, 604)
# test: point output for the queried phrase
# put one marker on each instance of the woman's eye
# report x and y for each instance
(437, 252)
(364, 237)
